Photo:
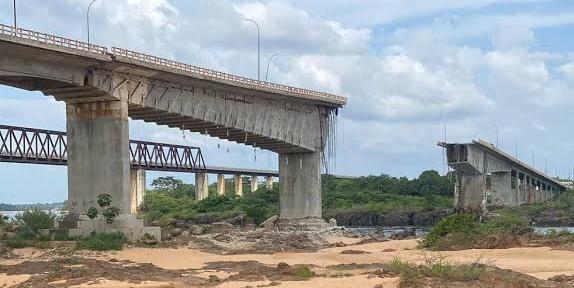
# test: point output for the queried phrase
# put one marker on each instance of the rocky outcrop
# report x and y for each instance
(418, 218)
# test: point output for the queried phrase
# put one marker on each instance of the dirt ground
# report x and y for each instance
(191, 267)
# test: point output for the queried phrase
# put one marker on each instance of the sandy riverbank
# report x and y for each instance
(539, 262)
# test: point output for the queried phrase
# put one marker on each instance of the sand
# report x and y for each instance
(540, 262)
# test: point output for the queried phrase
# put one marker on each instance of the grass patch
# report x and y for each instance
(103, 242)
(303, 272)
(16, 243)
(413, 275)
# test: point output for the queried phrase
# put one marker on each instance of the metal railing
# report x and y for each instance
(165, 157)
(223, 76)
(27, 145)
(36, 146)
(52, 39)
(145, 58)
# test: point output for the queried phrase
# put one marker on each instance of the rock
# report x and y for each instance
(214, 279)
(185, 233)
(175, 232)
(270, 222)
(222, 238)
(338, 244)
(561, 278)
(354, 252)
(221, 227)
(148, 239)
(113, 260)
(333, 222)
(165, 237)
(237, 220)
(389, 250)
(378, 286)
(405, 234)
(282, 266)
(155, 223)
(196, 229)
(180, 224)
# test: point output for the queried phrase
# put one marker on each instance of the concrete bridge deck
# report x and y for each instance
(487, 175)
(102, 88)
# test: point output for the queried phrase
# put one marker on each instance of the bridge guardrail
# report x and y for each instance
(51, 39)
(224, 76)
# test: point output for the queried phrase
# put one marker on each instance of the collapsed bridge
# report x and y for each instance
(103, 88)
(486, 175)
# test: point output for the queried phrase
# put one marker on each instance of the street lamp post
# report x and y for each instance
(88, 19)
(15, 23)
(258, 48)
(269, 62)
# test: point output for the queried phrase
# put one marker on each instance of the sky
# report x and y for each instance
(491, 69)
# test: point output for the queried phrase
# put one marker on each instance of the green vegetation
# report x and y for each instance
(31, 221)
(385, 194)
(170, 198)
(22, 207)
(303, 272)
(103, 241)
(560, 208)
(436, 268)
(465, 231)
(259, 205)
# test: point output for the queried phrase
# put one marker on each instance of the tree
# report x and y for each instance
(167, 184)
(109, 212)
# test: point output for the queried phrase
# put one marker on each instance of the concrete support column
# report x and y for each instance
(254, 183)
(137, 188)
(201, 186)
(471, 190)
(98, 154)
(238, 185)
(220, 184)
(300, 196)
(269, 182)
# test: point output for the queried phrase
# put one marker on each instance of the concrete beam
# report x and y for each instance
(220, 184)
(98, 154)
(201, 186)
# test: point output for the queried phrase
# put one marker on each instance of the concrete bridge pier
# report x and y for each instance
(201, 186)
(300, 196)
(98, 154)
(269, 182)
(98, 163)
(220, 184)
(254, 183)
(238, 181)
(137, 188)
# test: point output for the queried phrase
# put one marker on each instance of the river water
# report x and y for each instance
(421, 231)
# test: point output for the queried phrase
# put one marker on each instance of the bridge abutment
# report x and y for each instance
(98, 154)
(300, 196)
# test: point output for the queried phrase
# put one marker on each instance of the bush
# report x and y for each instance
(503, 223)
(303, 272)
(32, 220)
(103, 241)
(16, 242)
(465, 224)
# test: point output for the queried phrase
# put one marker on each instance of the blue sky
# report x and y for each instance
(409, 68)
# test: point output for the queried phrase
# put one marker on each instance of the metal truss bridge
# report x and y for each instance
(37, 146)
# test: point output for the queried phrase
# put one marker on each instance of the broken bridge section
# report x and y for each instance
(102, 88)
(486, 175)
